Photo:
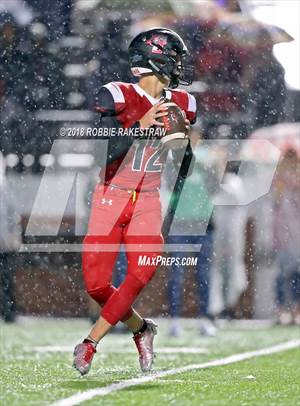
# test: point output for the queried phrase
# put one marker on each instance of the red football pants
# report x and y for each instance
(117, 218)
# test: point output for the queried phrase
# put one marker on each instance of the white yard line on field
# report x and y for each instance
(162, 350)
(91, 393)
(181, 381)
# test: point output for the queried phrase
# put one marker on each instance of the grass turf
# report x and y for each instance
(29, 377)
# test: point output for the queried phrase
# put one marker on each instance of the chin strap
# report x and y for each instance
(155, 67)
(174, 82)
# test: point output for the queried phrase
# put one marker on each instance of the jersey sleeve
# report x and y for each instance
(192, 108)
(110, 99)
(187, 102)
(107, 104)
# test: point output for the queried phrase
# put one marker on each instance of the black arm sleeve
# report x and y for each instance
(106, 118)
(117, 146)
(186, 164)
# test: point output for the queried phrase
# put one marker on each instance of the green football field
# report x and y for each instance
(36, 366)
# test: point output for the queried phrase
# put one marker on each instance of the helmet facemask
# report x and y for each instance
(186, 71)
(172, 65)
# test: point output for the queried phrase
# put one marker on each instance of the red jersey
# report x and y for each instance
(144, 162)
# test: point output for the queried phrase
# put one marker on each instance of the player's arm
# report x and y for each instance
(119, 146)
(186, 163)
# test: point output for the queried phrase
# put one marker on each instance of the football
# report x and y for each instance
(175, 127)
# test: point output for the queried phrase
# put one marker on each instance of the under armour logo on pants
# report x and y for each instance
(105, 201)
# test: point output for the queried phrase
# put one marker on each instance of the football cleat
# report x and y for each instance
(83, 357)
(144, 345)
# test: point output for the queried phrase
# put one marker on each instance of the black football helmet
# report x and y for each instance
(163, 52)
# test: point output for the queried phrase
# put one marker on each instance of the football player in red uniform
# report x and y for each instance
(126, 206)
